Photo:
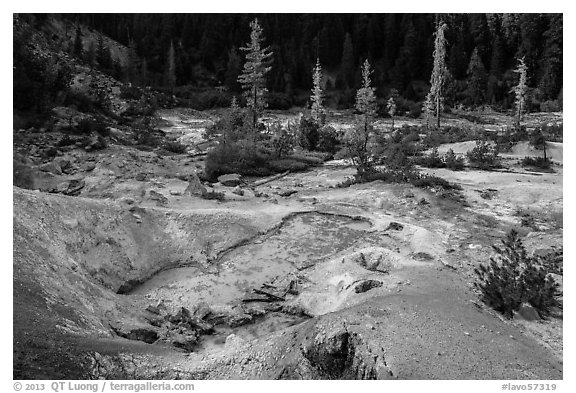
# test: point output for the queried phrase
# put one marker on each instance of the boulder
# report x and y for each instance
(230, 180)
(159, 198)
(185, 341)
(52, 167)
(366, 285)
(527, 313)
(195, 187)
(238, 191)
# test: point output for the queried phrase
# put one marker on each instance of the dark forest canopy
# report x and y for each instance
(482, 50)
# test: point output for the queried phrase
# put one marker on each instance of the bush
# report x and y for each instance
(483, 156)
(510, 137)
(282, 142)
(536, 162)
(429, 181)
(236, 157)
(537, 139)
(87, 126)
(308, 133)
(514, 278)
(175, 147)
(147, 137)
(433, 160)
(551, 106)
(453, 162)
(328, 140)
(235, 124)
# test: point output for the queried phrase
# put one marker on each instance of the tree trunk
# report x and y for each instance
(438, 110)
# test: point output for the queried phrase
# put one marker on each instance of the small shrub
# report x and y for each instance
(514, 278)
(328, 140)
(430, 181)
(282, 141)
(87, 126)
(551, 106)
(537, 162)
(308, 133)
(537, 139)
(147, 137)
(240, 157)
(453, 162)
(175, 147)
(483, 155)
(433, 160)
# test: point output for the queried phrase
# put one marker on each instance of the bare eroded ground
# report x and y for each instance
(371, 281)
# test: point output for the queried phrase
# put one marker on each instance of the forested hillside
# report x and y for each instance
(481, 48)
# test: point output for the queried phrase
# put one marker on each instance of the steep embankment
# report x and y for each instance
(72, 255)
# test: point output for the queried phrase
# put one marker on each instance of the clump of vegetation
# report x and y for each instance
(453, 162)
(511, 135)
(89, 125)
(308, 133)
(147, 137)
(432, 160)
(513, 278)
(175, 147)
(328, 140)
(282, 140)
(537, 162)
(483, 155)
(449, 134)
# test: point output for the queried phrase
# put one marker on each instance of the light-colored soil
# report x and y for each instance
(420, 320)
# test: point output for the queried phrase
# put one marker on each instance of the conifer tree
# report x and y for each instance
(171, 70)
(357, 139)
(476, 79)
(132, 67)
(317, 109)
(78, 49)
(365, 96)
(253, 77)
(347, 63)
(520, 90)
(391, 105)
(233, 69)
(434, 99)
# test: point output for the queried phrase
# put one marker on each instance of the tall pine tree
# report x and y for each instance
(253, 77)
(520, 90)
(434, 99)
(317, 110)
(476, 72)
